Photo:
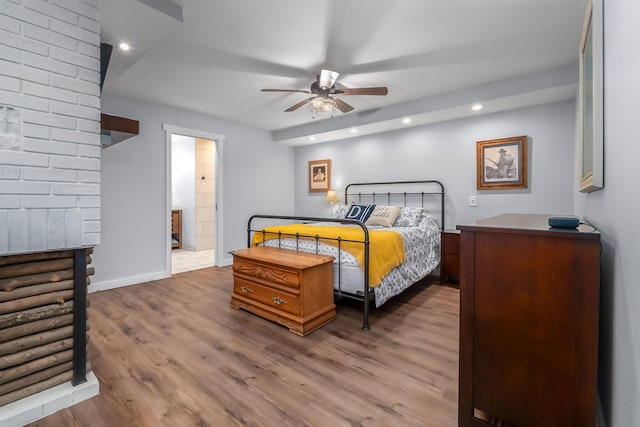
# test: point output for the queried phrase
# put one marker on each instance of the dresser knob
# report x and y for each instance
(246, 290)
(278, 300)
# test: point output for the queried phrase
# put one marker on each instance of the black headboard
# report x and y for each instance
(395, 193)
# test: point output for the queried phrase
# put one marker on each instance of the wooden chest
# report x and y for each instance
(292, 288)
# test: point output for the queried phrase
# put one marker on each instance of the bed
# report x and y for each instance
(377, 256)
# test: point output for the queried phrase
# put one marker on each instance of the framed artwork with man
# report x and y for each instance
(502, 163)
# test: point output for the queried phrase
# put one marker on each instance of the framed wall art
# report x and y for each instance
(502, 163)
(590, 100)
(319, 175)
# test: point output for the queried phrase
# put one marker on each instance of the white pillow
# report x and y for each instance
(341, 210)
(410, 217)
(384, 215)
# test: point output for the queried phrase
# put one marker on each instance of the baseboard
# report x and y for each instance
(127, 281)
(47, 402)
(227, 262)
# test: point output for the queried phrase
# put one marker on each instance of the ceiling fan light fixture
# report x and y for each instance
(321, 105)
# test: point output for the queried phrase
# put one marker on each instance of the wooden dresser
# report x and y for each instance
(292, 288)
(528, 323)
(450, 256)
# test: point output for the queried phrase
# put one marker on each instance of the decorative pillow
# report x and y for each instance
(341, 210)
(359, 212)
(409, 217)
(384, 215)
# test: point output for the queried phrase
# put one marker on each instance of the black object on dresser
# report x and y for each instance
(528, 323)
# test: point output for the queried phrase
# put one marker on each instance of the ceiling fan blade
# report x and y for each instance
(298, 105)
(342, 106)
(363, 91)
(284, 90)
(327, 78)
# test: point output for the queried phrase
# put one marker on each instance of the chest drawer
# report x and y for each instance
(269, 274)
(272, 297)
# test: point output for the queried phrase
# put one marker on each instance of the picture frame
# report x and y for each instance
(319, 176)
(590, 101)
(502, 163)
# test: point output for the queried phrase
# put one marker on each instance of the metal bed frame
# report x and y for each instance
(368, 294)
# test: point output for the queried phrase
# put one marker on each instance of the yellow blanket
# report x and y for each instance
(386, 249)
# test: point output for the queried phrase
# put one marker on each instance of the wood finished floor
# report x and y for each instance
(174, 353)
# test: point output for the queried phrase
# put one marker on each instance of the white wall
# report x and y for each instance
(50, 161)
(614, 210)
(183, 187)
(257, 176)
(447, 152)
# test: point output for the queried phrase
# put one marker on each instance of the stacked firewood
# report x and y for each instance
(36, 322)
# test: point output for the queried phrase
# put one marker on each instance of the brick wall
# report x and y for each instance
(49, 124)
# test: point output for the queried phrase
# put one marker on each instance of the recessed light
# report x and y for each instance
(124, 46)
(312, 138)
(406, 120)
(354, 130)
(476, 107)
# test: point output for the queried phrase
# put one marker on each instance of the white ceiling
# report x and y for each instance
(214, 57)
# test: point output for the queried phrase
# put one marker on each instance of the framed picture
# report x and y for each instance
(590, 115)
(502, 163)
(319, 175)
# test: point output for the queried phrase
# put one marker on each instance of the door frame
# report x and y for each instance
(218, 144)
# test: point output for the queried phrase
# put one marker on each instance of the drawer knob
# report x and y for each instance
(246, 290)
(278, 300)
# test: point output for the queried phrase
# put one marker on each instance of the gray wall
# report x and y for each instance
(614, 210)
(257, 174)
(447, 152)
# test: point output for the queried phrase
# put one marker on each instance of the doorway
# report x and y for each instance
(194, 163)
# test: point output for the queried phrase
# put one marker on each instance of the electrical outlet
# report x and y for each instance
(473, 201)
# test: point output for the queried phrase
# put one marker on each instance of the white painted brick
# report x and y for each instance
(9, 202)
(18, 187)
(37, 230)
(24, 159)
(74, 228)
(75, 32)
(85, 176)
(23, 73)
(9, 24)
(94, 151)
(9, 54)
(4, 230)
(75, 136)
(74, 58)
(50, 175)
(51, 120)
(23, 43)
(90, 214)
(50, 147)
(56, 229)
(89, 76)
(35, 131)
(22, 14)
(74, 110)
(89, 201)
(94, 3)
(49, 202)
(77, 163)
(92, 239)
(46, 91)
(92, 226)
(91, 50)
(24, 101)
(74, 189)
(49, 37)
(75, 85)
(9, 172)
(43, 63)
(89, 101)
(89, 24)
(18, 231)
(9, 83)
(81, 8)
(52, 10)
(92, 126)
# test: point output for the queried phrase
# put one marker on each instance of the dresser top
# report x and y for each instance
(282, 257)
(528, 223)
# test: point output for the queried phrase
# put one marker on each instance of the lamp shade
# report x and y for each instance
(332, 196)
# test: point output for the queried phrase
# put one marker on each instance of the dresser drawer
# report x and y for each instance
(270, 274)
(276, 298)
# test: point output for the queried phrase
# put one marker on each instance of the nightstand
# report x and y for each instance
(450, 256)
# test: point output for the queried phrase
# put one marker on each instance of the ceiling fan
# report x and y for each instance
(324, 100)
